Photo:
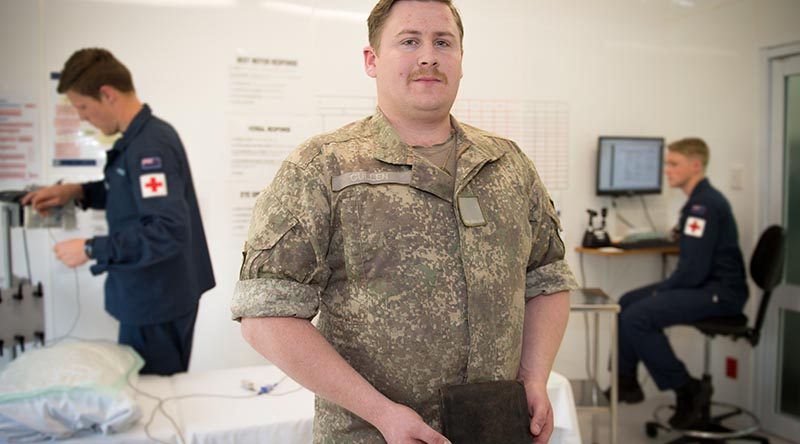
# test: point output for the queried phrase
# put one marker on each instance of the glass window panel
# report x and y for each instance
(792, 159)
(789, 395)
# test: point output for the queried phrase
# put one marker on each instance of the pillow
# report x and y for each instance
(69, 388)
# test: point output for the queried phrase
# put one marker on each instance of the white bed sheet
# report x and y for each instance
(160, 429)
(284, 416)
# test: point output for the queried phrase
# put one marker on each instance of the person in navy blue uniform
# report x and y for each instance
(709, 281)
(155, 252)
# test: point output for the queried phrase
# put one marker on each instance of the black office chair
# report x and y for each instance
(766, 269)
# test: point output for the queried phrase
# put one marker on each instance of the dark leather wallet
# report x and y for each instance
(485, 413)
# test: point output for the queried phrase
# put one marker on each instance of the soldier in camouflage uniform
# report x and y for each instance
(428, 263)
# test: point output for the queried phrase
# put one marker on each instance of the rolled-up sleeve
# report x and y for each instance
(547, 271)
(549, 279)
(283, 266)
(263, 297)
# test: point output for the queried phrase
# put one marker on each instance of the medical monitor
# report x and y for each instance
(629, 165)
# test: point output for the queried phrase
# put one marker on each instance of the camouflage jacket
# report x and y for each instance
(418, 282)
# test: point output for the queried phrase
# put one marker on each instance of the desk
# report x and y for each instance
(587, 391)
(614, 251)
(285, 416)
(588, 395)
(618, 252)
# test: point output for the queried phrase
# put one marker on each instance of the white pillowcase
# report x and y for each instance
(67, 389)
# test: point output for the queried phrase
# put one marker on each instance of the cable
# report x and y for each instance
(286, 393)
(583, 272)
(619, 214)
(52, 237)
(157, 408)
(647, 213)
(266, 390)
(588, 357)
(68, 334)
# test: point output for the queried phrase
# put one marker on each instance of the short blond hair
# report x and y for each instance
(380, 13)
(691, 147)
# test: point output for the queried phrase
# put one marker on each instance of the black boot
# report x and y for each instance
(629, 390)
(691, 398)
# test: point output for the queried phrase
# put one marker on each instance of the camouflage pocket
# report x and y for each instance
(269, 224)
(365, 223)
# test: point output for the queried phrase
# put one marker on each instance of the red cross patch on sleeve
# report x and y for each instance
(694, 226)
(153, 185)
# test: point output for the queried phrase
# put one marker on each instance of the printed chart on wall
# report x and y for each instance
(267, 118)
(540, 129)
(242, 202)
(74, 143)
(260, 139)
(20, 157)
(335, 111)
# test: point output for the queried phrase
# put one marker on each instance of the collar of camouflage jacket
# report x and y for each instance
(476, 148)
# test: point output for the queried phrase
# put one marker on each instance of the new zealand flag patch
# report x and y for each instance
(698, 209)
(150, 163)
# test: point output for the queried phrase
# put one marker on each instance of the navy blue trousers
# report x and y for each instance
(645, 313)
(165, 348)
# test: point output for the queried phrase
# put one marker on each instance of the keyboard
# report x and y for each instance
(645, 243)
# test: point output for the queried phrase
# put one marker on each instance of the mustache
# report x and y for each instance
(432, 72)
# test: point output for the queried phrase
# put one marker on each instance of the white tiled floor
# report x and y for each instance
(631, 424)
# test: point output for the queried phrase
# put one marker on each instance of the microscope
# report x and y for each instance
(596, 237)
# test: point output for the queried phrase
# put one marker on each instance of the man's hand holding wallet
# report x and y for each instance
(502, 412)
(541, 412)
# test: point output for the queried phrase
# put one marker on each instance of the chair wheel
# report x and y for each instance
(651, 429)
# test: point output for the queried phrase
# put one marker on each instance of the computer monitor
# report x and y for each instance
(629, 165)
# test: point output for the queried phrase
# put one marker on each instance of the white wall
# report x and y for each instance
(625, 67)
(659, 69)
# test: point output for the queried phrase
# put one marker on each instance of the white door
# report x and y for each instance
(778, 385)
